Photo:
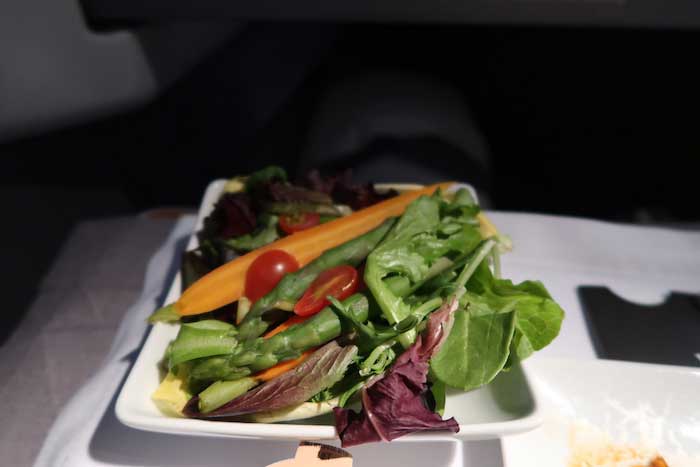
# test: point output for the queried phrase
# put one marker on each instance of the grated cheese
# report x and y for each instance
(592, 447)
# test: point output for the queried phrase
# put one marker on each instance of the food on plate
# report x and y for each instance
(371, 315)
(592, 447)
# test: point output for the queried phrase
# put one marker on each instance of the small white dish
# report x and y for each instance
(589, 404)
(505, 406)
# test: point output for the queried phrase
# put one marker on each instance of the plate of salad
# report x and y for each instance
(325, 309)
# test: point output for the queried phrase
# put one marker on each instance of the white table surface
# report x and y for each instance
(640, 264)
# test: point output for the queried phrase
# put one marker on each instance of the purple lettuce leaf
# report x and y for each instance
(322, 369)
(342, 189)
(233, 216)
(287, 193)
(394, 405)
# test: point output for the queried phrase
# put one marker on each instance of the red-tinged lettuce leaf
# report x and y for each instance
(233, 216)
(314, 180)
(344, 191)
(322, 369)
(286, 193)
(394, 405)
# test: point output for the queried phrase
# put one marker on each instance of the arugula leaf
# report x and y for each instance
(370, 335)
(476, 349)
(397, 255)
(410, 249)
(462, 209)
(343, 389)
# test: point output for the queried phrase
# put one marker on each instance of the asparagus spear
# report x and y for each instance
(258, 354)
(221, 392)
(292, 286)
(202, 339)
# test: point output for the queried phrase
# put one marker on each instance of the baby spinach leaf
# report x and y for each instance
(476, 349)
(538, 317)
(437, 390)
(505, 322)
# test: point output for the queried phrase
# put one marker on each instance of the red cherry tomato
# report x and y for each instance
(299, 222)
(339, 282)
(266, 271)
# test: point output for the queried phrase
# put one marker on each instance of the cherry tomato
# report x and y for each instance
(266, 271)
(299, 222)
(339, 282)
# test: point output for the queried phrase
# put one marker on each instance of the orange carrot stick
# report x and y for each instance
(295, 319)
(275, 371)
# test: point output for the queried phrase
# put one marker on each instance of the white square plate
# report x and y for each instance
(505, 406)
(590, 404)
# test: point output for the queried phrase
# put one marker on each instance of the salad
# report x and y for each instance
(370, 315)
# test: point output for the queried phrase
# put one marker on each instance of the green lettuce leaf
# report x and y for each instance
(476, 349)
(538, 317)
(505, 322)
(258, 239)
(418, 240)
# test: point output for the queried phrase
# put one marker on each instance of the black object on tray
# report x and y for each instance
(667, 333)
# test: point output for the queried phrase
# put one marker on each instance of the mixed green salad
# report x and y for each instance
(374, 328)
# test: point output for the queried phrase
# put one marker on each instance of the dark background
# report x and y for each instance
(596, 122)
(592, 122)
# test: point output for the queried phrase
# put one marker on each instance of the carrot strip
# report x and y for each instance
(275, 371)
(226, 283)
(286, 325)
